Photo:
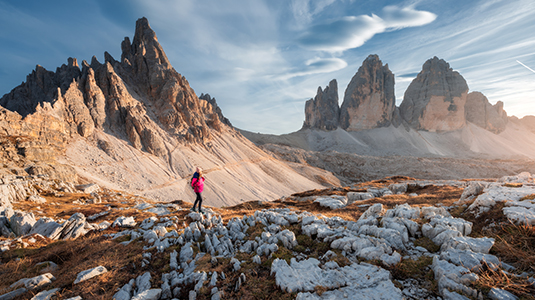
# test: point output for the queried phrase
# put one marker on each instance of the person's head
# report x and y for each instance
(199, 171)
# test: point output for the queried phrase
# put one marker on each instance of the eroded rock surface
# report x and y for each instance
(323, 111)
(435, 99)
(369, 100)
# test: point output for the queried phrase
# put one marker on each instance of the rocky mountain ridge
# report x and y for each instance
(437, 100)
(137, 125)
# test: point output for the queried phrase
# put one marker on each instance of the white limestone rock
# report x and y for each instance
(143, 283)
(45, 295)
(73, 228)
(34, 282)
(403, 211)
(471, 260)
(520, 212)
(125, 293)
(452, 276)
(90, 273)
(499, 294)
(122, 221)
(88, 188)
(364, 280)
(398, 188)
(480, 245)
(332, 202)
(37, 199)
(21, 223)
(45, 227)
(13, 294)
(151, 294)
(374, 211)
(473, 189)
(353, 197)
(524, 177)
(429, 212)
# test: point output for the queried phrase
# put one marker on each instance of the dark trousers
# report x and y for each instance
(198, 200)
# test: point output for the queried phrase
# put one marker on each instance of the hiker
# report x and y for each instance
(197, 183)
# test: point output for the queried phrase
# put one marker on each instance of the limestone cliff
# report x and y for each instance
(137, 125)
(369, 100)
(435, 99)
(485, 115)
(323, 111)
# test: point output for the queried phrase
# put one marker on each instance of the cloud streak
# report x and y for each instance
(315, 66)
(525, 66)
(353, 31)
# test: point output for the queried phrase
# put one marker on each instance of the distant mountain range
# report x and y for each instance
(437, 118)
(137, 125)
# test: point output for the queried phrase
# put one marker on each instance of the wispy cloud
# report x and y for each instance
(315, 66)
(353, 31)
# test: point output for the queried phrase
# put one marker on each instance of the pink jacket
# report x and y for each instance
(198, 185)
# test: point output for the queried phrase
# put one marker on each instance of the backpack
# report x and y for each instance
(190, 182)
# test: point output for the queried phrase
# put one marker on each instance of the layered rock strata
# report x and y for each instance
(435, 99)
(141, 97)
(485, 115)
(369, 100)
(323, 111)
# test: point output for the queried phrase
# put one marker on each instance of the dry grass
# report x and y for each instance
(528, 197)
(489, 278)
(72, 257)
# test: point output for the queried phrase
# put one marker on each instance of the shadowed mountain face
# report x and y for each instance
(435, 100)
(137, 125)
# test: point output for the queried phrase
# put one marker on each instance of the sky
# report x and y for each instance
(262, 59)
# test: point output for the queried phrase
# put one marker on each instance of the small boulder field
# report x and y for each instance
(395, 238)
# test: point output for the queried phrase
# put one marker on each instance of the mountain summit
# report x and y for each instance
(137, 125)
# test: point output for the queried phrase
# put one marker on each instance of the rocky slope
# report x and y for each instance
(396, 238)
(137, 125)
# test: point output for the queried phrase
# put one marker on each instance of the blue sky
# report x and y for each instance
(262, 59)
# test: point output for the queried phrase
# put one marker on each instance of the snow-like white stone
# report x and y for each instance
(499, 294)
(403, 211)
(306, 275)
(37, 199)
(353, 197)
(45, 227)
(374, 211)
(470, 259)
(88, 274)
(398, 188)
(152, 294)
(124, 222)
(45, 295)
(332, 202)
(481, 245)
(21, 223)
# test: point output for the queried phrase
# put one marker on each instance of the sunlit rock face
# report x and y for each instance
(369, 100)
(435, 100)
(141, 97)
(323, 111)
(485, 115)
